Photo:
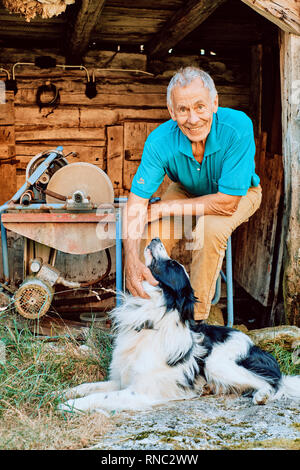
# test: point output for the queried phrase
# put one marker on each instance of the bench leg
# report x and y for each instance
(229, 284)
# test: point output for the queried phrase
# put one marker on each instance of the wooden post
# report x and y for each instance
(290, 96)
(256, 87)
(115, 157)
(8, 177)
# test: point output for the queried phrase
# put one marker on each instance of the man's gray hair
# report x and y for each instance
(185, 76)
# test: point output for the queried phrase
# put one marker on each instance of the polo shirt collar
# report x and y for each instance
(211, 146)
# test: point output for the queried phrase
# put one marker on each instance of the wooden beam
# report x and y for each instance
(183, 22)
(284, 13)
(256, 87)
(290, 99)
(81, 26)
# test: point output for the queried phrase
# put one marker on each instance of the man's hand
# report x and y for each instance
(135, 273)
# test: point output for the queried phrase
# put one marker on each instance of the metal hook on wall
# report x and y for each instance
(91, 88)
(45, 62)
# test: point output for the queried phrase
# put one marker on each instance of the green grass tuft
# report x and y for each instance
(33, 369)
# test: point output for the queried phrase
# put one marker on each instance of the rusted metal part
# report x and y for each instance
(55, 195)
(32, 250)
(108, 269)
(33, 298)
(71, 233)
(48, 274)
(27, 197)
(85, 177)
(66, 217)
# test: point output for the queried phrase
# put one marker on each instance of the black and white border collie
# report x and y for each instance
(161, 354)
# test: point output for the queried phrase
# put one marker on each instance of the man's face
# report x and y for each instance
(193, 109)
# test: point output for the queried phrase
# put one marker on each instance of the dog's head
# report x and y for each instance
(173, 280)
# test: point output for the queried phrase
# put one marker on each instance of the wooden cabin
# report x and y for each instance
(129, 50)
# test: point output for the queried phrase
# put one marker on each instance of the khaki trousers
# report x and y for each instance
(208, 237)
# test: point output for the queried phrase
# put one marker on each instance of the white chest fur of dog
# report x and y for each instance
(161, 354)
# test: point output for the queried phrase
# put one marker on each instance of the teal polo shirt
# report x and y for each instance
(227, 166)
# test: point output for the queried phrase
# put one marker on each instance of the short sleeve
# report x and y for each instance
(238, 166)
(150, 173)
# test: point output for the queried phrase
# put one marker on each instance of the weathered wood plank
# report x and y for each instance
(153, 4)
(188, 18)
(122, 96)
(78, 97)
(224, 71)
(7, 174)
(6, 151)
(80, 29)
(55, 135)
(99, 117)
(255, 240)
(115, 157)
(85, 153)
(7, 110)
(130, 169)
(255, 104)
(93, 58)
(283, 13)
(73, 117)
(7, 135)
(135, 135)
(290, 96)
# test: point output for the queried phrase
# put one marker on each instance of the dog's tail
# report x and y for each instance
(289, 387)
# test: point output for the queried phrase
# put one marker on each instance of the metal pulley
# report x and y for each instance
(41, 183)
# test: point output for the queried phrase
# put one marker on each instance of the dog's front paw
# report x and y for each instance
(261, 396)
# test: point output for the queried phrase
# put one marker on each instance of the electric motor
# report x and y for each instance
(33, 298)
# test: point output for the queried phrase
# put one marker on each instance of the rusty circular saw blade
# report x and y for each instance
(81, 176)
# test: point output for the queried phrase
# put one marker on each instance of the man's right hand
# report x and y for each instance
(135, 273)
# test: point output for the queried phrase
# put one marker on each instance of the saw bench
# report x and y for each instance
(65, 207)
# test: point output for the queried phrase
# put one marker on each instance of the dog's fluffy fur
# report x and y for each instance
(161, 354)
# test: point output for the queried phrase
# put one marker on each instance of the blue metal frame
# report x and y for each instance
(229, 285)
(227, 278)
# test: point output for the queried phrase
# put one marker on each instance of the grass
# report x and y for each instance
(283, 355)
(32, 370)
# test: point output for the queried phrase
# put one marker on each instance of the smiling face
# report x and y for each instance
(193, 109)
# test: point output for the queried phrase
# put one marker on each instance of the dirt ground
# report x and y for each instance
(207, 423)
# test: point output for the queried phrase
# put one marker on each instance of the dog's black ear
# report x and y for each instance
(185, 304)
(176, 286)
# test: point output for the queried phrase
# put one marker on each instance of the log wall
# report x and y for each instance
(132, 102)
(108, 130)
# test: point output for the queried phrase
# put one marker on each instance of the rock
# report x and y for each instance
(241, 328)
(215, 316)
(206, 423)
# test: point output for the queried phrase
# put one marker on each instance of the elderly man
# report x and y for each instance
(208, 153)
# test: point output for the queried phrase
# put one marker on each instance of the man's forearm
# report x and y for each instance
(134, 221)
(131, 247)
(211, 204)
